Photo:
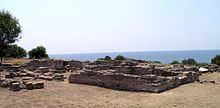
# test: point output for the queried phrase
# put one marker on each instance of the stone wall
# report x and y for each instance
(50, 63)
(121, 81)
(53, 64)
(75, 64)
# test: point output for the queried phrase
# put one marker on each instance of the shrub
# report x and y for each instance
(38, 53)
(202, 64)
(107, 58)
(15, 51)
(216, 60)
(119, 57)
(156, 61)
(100, 59)
(175, 62)
(189, 61)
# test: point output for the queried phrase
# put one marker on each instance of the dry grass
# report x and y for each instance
(16, 60)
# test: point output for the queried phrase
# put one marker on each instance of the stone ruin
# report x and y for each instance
(129, 75)
(32, 75)
(136, 76)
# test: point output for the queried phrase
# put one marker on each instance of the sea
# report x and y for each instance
(201, 56)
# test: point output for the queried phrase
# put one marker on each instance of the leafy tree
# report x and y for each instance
(107, 58)
(175, 62)
(216, 60)
(189, 61)
(38, 53)
(10, 30)
(15, 51)
(119, 57)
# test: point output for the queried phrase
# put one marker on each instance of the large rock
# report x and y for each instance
(59, 77)
(203, 70)
(15, 86)
(38, 85)
(49, 78)
(4, 83)
(29, 86)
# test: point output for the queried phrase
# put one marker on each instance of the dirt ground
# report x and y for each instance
(63, 94)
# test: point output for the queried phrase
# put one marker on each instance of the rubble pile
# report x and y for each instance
(33, 74)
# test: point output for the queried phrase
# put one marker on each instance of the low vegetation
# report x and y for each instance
(189, 61)
(175, 62)
(156, 61)
(106, 58)
(119, 57)
(216, 60)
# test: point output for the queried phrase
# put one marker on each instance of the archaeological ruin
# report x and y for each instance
(128, 75)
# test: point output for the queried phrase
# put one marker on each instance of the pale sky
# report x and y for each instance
(85, 26)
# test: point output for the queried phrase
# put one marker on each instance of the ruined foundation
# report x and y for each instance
(129, 75)
(133, 78)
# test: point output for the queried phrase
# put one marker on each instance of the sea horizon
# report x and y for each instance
(166, 56)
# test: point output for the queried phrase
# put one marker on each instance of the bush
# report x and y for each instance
(175, 62)
(15, 51)
(189, 61)
(38, 53)
(216, 60)
(100, 59)
(202, 64)
(156, 61)
(106, 58)
(119, 57)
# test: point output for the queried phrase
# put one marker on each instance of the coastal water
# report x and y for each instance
(202, 56)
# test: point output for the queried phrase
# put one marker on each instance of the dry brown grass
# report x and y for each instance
(16, 60)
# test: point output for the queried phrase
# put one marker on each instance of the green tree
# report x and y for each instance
(15, 51)
(175, 62)
(38, 53)
(189, 61)
(216, 60)
(107, 58)
(119, 57)
(10, 30)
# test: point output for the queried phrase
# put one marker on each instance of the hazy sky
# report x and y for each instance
(82, 26)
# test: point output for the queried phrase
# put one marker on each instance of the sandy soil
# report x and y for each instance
(63, 94)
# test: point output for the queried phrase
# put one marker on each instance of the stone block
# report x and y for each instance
(29, 86)
(15, 86)
(59, 77)
(38, 85)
